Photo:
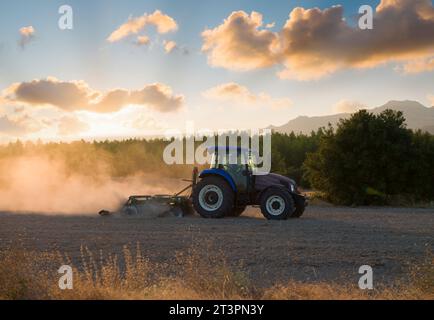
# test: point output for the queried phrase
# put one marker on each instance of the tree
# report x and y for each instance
(365, 161)
(421, 177)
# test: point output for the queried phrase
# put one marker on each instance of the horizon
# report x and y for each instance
(162, 136)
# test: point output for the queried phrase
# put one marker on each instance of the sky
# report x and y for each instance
(135, 68)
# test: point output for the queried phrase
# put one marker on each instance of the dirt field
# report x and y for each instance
(328, 243)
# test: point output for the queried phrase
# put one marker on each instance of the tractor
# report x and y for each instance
(225, 190)
(230, 185)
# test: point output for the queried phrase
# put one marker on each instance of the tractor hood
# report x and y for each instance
(272, 179)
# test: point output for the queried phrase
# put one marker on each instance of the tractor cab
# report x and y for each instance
(238, 163)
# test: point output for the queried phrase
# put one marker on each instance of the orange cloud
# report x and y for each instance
(235, 93)
(77, 95)
(27, 31)
(417, 66)
(315, 42)
(347, 106)
(27, 35)
(51, 91)
(239, 43)
(169, 46)
(327, 43)
(142, 40)
(161, 21)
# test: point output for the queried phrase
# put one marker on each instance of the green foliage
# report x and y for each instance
(289, 153)
(370, 159)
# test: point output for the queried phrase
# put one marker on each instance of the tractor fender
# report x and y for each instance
(221, 173)
(276, 186)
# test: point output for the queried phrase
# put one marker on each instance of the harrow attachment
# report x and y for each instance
(158, 205)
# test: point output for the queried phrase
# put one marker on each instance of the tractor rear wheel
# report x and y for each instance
(213, 198)
(277, 204)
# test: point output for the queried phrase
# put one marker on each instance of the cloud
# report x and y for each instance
(77, 95)
(27, 34)
(27, 31)
(239, 43)
(314, 43)
(430, 98)
(319, 42)
(51, 91)
(347, 106)
(230, 91)
(71, 125)
(142, 121)
(7, 126)
(142, 40)
(235, 93)
(19, 124)
(417, 66)
(10, 127)
(155, 96)
(170, 46)
(161, 21)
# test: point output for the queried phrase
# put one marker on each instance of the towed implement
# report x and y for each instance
(177, 205)
(226, 189)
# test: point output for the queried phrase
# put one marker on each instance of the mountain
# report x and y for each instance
(417, 115)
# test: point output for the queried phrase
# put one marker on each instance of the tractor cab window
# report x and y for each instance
(253, 163)
(234, 162)
(230, 161)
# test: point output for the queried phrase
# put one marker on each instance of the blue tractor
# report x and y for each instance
(226, 189)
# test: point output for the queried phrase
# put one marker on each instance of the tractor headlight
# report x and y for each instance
(292, 187)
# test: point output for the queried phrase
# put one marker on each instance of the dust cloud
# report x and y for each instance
(38, 184)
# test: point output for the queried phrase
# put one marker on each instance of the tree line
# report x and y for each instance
(366, 159)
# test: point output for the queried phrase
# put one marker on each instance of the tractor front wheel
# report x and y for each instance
(213, 198)
(277, 204)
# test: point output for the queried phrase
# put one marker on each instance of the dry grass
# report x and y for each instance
(420, 286)
(194, 274)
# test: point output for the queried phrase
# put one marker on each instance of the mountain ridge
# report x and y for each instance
(416, 114)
